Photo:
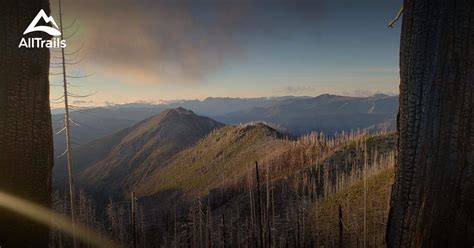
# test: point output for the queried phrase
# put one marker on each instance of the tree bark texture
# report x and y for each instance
(26, 151)
(432, 202)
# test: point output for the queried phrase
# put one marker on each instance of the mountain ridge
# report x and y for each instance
(225, 151)
(118, 161)
(326, 113)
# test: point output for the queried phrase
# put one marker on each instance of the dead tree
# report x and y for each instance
(259, 206)
(26, 145)
(62, 65)
(432, 198)
(341, 228)
(224, 238)
(133, 219)
(67, 129)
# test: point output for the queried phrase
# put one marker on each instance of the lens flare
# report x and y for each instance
(45, 216)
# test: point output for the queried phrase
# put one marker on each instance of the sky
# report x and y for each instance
(159, 50)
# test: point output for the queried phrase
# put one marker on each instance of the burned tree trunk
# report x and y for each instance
(26, 149)
(433, 195)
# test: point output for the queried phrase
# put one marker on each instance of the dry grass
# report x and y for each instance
(223, 156)
(302, 183)
(351, 200)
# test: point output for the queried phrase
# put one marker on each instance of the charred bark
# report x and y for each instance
(26, 149)
(433, 195)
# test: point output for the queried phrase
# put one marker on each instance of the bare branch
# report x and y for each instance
(60, 131)
(59, 83)
(68, 63)
(55, 74)
(392, 22)
(57, 63)
(75, 143)
(55, 67)
(85, 76)
(62, 154)
(59, 98)
(60, 120)
(68, 54)
(75, 57)
(81, 96)
(70, 25)
(75, 86)
(78, 50)
(73, 122)
(82, 124)
(87, 112)
(73, 33)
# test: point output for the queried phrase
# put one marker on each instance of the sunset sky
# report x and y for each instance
(149, 50)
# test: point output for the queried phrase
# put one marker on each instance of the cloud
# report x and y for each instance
(297, 90)
(181, 40)
(80, 102)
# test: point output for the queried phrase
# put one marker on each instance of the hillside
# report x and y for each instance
(117, 162)
(219, 174)
(213, 186)
(227, 156)
(352, 205)
(326, 113)
(94, 123)
(224, 155)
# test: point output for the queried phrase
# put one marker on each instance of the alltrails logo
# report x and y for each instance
(39, 42)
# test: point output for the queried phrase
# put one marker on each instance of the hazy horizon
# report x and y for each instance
(361, 94)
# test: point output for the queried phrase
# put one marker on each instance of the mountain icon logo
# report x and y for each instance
(48, 19)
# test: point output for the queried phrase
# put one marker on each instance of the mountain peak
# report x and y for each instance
(258, 125)
(178, 114)
(183, 110)
(380, 95)
(328, 96)
(178, 110)
(325, 95)
(140, 149)
(225, 151)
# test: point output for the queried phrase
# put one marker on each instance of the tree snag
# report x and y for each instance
(433, 196)
(26, 145)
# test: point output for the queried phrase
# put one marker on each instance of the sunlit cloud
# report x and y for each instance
(178, 41)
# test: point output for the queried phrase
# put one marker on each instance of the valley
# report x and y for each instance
(197, 180)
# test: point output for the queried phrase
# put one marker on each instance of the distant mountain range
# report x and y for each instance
(296, 115)
(175, 159)
(125, 144)
(97, 122)
(117, 162)
(325, 113)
